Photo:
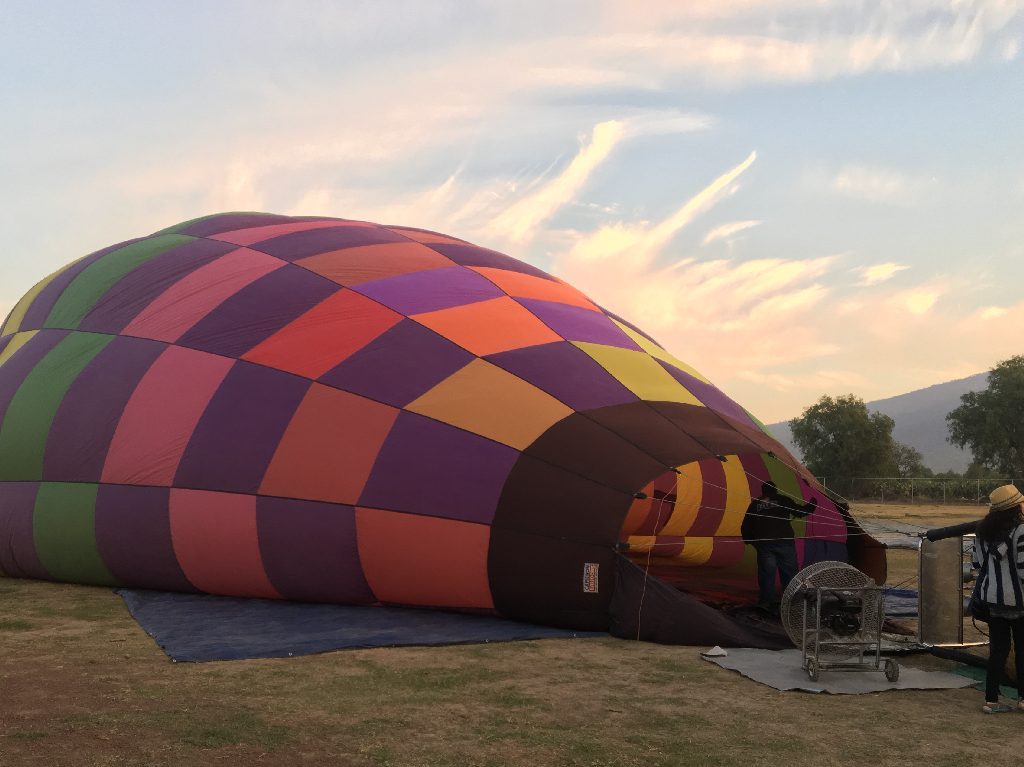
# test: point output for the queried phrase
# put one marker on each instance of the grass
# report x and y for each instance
(82, 685)
(16, 625)
(26, 734)
(203, 726)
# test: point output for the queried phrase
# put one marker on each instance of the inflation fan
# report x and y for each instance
(833, 612)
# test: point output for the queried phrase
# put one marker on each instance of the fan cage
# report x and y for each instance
(799, 603)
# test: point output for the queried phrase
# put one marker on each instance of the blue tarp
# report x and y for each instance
(200, 627)
(903, 603)
(899, 603)
(192, 627)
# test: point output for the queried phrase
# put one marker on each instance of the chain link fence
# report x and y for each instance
(923, 490)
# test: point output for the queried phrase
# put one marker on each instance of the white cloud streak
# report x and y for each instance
(879, 273)
(808, 46)
(918, 301)
(519, 221)
(732, 316)
(877, 185)
(728, 231)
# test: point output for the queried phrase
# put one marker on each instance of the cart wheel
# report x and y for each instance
(812, 670)
(892, 670)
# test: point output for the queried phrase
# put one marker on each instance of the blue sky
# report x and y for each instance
(796, 197)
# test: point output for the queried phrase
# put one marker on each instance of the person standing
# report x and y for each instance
(766, 527)
(999, 556)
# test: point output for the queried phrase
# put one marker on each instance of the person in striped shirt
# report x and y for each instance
(999, 556)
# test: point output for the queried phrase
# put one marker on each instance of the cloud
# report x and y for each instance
(821, 380)
(879, 273)
(877, 185)
(659, 122)
(428, 208)
(669, 12)
(728, 231)
(730, 315)
(507, 210)
(410, 119)
(767, 330)
(571, 77)
(777, 333)
(519, 222)
(657, 237)
(474, 135)
(745, 42)
(898, 341)
(993, 312)
(918, 301)
(625, 248)
(503, 86)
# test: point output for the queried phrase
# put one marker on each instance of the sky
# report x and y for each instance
(798, 198)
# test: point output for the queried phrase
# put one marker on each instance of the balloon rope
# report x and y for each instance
(646, 573)
(739, 539)
(824, 523)
(821, 523)
(817, 522)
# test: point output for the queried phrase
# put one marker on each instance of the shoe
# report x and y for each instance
(997, 708)
(1020, 704)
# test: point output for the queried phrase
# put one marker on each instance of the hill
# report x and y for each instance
(920, 418)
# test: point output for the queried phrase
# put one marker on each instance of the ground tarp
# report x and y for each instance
(782, 670)
(199, 627)
(900, 603)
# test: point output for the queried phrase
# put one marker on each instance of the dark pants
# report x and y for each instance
(780, 557)
(999, 630)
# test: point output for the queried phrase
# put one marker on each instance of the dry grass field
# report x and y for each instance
(926, 516)
(903, 563)
(82, 685)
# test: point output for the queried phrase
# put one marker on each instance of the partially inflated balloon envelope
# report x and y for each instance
(336, 411)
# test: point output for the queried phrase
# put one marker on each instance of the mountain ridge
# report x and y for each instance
(920, 417)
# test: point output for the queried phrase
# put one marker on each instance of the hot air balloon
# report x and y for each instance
(336, 411)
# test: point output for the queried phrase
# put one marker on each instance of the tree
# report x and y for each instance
(908, 461)
(840, 439)
(977, 471)
(991, 422)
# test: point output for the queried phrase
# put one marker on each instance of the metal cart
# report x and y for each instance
(842, 631)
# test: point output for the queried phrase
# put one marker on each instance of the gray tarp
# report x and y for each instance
(782, 670)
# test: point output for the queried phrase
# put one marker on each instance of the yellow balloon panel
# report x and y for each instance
(689, 490)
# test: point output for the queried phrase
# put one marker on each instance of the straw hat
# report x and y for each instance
(1005, 497)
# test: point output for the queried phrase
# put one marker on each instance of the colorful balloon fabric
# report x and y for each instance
(328, 410)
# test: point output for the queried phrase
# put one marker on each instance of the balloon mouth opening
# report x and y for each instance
(685, 527)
